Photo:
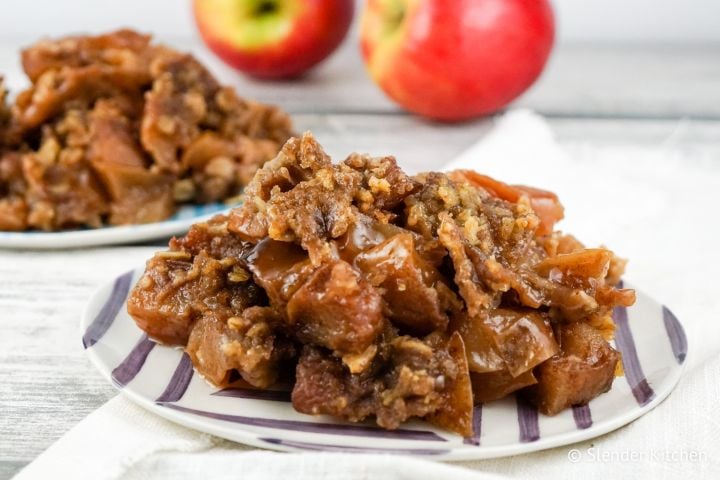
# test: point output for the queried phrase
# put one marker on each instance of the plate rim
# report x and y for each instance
(452, 453)
(103, 236)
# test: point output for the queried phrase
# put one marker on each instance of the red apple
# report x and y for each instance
(458, 59)
(273, 38)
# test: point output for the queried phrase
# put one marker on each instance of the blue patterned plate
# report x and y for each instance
(91, 237)
(162, 379)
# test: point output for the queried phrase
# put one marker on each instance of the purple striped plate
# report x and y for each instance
(162, 379)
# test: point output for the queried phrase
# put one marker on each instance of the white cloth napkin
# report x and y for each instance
(654, 205)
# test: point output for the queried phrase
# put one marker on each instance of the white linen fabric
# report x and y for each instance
(652, 205)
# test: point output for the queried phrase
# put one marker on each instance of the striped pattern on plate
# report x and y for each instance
(175, 225)
(161, 379)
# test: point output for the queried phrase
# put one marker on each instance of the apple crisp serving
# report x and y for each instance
(388, 296)
(117, 130)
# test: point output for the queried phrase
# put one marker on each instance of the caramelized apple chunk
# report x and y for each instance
(408, 282)
(408, 379)
(337, 309)
(583, 369)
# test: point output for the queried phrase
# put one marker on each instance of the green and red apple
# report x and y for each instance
(273, 38)
(456, 59)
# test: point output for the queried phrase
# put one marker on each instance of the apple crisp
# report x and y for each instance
(117, 130)
(388, 296)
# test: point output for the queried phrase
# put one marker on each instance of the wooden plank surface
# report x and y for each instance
(596, 96)
(580, 80)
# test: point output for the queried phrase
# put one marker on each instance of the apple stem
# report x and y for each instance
(394, 16)
(266, 7)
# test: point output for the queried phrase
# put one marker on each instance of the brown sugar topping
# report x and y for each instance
(386, 295)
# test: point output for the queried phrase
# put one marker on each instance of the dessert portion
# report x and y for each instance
(117, 130)
(388, 296)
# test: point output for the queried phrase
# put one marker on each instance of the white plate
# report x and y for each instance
(162, 379)
(91, 237)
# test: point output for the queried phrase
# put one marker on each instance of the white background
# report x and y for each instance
(579, 21)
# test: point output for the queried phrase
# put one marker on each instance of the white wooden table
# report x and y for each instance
(596, 96)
